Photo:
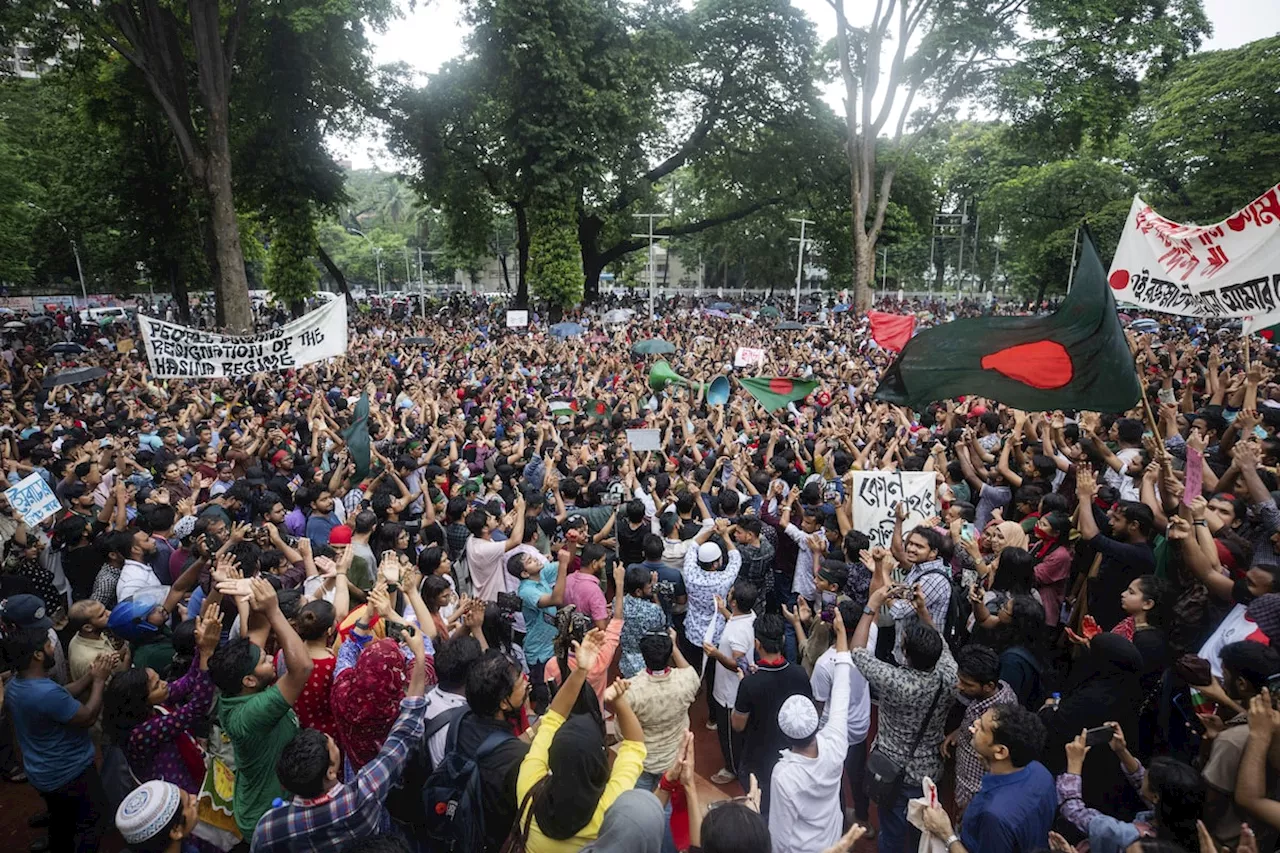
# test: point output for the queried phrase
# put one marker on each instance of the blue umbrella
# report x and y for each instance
(722, 306)
(567, 330)
(713, 312)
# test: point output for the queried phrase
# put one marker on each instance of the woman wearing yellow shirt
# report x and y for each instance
(565, 785)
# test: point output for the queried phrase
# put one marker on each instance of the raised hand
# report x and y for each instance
(616, 690)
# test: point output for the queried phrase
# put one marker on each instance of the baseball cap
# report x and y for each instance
(340, 535)
(26, 611)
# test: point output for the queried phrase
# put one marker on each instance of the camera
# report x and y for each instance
(509, 602)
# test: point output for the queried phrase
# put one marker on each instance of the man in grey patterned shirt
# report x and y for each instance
(906, 695)
(920, 552)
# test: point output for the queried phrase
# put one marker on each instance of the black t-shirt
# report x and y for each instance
(1122, 562)
(630, 541)
(81, 566)
(761, 695)
(498, 774)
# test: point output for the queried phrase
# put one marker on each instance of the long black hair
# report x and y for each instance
(1180, 796)
(125, 705)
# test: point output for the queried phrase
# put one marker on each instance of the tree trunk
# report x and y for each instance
(522, 257)
(506, 275)
(232, 284)
(864, 268)
(334, 273)
(178, 287)
(592, 263)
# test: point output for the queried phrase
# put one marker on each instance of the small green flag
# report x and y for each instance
(774, 392)
(357, 438)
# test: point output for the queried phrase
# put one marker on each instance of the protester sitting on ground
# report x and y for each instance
(310, 768)
(563, 816)
(156, 723)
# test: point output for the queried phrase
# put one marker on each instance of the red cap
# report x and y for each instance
(277, 457)
(340, 535)
(977, 411)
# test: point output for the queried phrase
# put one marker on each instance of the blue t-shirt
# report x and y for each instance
(53, 752)
(540, 636)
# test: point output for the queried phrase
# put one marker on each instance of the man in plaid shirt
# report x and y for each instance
(979, 682)
(326, 814)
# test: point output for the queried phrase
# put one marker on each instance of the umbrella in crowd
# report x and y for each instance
(770, 311)
(789, 326)
(567, 330)
(653, 346)
(618, 315)
(712, 312)
(722, 306)
(69, 349)
(15, 325)
(420, 341)
(77, 376)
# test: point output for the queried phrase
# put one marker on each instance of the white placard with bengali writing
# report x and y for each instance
(876, 494)
(748, 357)
(32, 499)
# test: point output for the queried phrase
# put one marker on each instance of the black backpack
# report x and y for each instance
(955, 628)
(404, 800)
(452, 799)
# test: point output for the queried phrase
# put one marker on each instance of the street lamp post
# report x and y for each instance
(800, 261)
(650, 237)
(75, 250)
(376, 251)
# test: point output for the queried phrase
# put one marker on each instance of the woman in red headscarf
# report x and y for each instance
(366, 698)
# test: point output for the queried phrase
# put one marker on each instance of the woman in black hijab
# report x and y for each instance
(1105, 686)
(565, 785)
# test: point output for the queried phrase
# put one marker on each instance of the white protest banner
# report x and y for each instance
(876, 494)
(748, 356)
(517, 319)
(32, 499)
(644, 439)
(1228, 269)
(179, 352)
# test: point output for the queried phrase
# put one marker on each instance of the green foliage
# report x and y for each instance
(290, 274)
(555, 263)
(1206, 139)
(1039, 209)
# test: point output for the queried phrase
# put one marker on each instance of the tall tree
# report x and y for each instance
(1069, 65)
(1206, 139)
(600, 102)
(188, 53)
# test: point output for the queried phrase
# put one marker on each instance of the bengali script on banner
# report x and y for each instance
(180, 352)
(1225, 270)
(876, 495)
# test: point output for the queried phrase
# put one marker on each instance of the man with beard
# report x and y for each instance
(256, 710)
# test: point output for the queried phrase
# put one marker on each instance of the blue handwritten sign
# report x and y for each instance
(33, 500)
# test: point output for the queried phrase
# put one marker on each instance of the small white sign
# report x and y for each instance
(517, 319)
(748, 357)
(32, 499)
(645, 439)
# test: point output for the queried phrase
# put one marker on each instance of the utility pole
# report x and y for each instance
(651, 237)
(800, 259)
(884, 272)
(75, 250)
(422, 287)
(964, 220)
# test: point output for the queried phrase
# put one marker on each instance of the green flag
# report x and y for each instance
(774, 392)
(357, 438)
(598, 409)
(1076, 358)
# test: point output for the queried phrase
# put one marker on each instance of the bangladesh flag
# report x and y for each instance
(1076, 358)
(357, 438)
(598, 409)
(774, 392)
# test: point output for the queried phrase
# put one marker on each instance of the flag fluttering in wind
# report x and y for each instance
(774, 392)
(357, 438)
(1076, 358)
(891, 331)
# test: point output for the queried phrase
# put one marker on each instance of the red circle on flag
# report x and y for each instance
(1119, 279)
(781, 385)
(600, 408)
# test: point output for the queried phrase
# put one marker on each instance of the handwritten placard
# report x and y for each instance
(1195, 475)
(876, 494)
(517, 319)
(748, 357)
(32, 499)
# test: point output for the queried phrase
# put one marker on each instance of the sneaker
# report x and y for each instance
(724, 776)
(711, 725)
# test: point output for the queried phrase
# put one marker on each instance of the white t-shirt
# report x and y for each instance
(859, 694)
(440, 701)
(1121, 481)
(738, 637)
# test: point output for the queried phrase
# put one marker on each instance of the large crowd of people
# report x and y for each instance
(514, 631)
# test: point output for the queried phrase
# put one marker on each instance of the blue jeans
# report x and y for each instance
(896, 834)
(649, 782)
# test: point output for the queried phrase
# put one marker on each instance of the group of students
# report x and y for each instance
(511, 631)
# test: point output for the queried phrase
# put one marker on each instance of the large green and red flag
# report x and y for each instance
(1076, 358)
(774, 392)
(357, 438)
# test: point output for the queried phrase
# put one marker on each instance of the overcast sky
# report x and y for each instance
(433, 34)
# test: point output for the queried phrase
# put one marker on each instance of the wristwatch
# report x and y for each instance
(867, 611)
(952, 840)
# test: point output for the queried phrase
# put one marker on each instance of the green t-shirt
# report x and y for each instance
(259, 725)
